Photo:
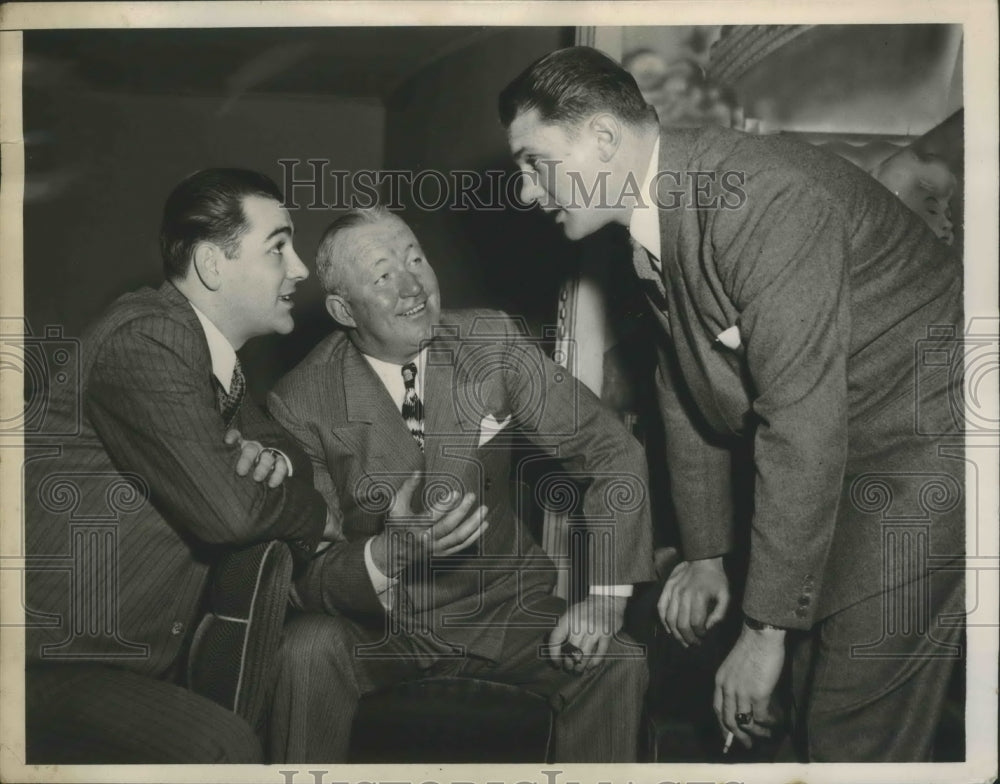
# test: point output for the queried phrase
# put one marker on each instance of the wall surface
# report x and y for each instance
(100, 165)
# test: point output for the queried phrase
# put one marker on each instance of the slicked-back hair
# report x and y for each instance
(568, 85)
(207, 206)
(328, 256)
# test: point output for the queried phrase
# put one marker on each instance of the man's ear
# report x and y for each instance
(205, 260)
(339, 308)
(607, 130)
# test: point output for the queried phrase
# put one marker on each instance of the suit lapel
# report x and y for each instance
(372, 425)
(694, 314)
(451, 426)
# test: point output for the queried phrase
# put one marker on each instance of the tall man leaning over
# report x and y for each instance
(171, 445)
(791, 312)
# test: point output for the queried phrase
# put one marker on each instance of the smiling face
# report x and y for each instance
(385, 290)
(257, 282)
(561, 171)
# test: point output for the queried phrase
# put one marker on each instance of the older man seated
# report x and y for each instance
(407, 414)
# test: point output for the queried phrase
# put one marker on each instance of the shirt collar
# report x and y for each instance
(391, 375)
(219, 349)
(644, 225)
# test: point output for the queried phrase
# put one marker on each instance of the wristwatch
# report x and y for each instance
(758, 626)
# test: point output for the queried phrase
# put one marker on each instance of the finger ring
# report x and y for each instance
(273, 452)
(744, 719)
(569, 649)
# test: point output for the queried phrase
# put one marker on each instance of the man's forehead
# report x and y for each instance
(528, 131)
(265, 214)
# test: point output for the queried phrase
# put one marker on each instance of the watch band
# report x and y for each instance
(757, 626)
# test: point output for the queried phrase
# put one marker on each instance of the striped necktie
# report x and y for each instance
(413, 408)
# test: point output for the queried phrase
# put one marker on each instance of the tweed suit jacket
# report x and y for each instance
(125, 510)
(477, 366)
(832, 284)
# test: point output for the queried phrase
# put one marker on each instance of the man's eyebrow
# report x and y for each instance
(280, 230)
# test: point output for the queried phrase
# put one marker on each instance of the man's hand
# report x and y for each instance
(449, 526)
(583, 634)
(745, 683)
(694, 599)
(266, 463)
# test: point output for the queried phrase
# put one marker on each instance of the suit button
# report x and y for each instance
(488, 484)
(804, 601)
(801, 612)
(177, 628)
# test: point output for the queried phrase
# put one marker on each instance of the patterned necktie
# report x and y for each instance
(229, 402)
(413, 408)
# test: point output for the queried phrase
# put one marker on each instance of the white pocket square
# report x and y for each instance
(730, 338)
(489, 427)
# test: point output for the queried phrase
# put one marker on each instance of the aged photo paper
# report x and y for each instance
(107, 106)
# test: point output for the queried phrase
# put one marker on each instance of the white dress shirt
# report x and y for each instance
(644, 225)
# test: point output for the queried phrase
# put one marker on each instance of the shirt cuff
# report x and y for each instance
(611, 590)
(382, 584)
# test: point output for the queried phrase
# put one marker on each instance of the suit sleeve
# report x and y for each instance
(336, 579)
(155, 412)
(786, 274)
(699, 467)
(593, 446)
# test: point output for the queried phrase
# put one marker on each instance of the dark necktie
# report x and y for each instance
(413, 408)
(650, 279)
(229, 402)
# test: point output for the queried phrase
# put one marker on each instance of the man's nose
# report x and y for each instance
(409, 285)
(297, 270)
(531, 191)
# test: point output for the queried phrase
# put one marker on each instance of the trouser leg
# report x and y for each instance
(871, 683)
(96, 714)
(321, 677)
(597, 713)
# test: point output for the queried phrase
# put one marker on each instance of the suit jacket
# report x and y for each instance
(125, 509)
(477, 365)
(832, 284)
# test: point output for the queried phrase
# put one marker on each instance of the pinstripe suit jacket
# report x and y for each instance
(122, 519)
(832, 284)
(344, 418)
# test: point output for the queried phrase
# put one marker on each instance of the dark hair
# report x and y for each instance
(328, 255)
(208, 205)
(568, 85)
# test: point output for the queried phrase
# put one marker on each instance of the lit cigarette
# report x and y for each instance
(728, 743)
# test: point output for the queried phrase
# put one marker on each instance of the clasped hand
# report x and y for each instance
(582, 636)
(267, 463)
(694, 599)
(449, 525)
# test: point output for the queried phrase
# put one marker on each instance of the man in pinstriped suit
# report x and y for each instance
(122, 519)
(447, 581)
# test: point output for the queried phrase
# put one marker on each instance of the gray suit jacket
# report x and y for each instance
(833, 285)
(477, 365)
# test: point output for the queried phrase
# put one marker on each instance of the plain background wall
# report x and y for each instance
(100, 165)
